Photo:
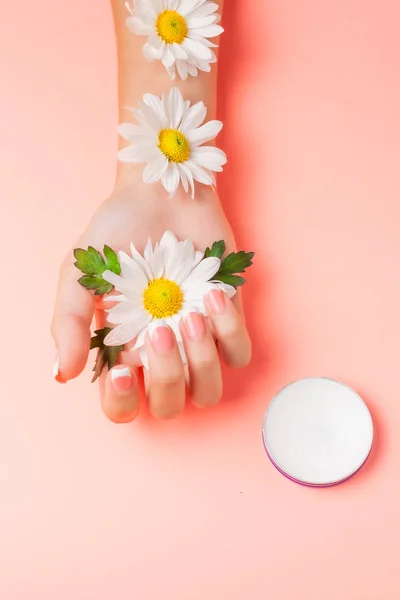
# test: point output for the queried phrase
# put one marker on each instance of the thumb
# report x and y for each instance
(71, 325)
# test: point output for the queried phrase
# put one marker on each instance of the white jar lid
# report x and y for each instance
(318, 431)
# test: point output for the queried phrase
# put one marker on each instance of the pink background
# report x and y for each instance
(192, 509)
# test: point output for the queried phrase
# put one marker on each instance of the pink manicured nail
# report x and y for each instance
(195, 326)
(216, 301)
(163, 339)
(121, 379)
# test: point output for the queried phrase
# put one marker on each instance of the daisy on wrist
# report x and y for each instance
(169, 138)
(178, 33)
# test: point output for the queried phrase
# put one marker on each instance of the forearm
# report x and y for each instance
(137, 76)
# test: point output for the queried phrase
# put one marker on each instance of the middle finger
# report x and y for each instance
(166, 388)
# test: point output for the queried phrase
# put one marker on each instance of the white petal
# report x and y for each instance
(156, 263)
(170, 179)
(130, 268)
(203, 11)
(157, 6)
(126, 332)
(175, 108)
(156, 41)
(194, 22)
(171, 72)
(198, 256)
(127, 130)
(192, 70)
(183, 178)
(179, 262)
(193, 117)
(168, 243)
(204, 271)
(130, 154)
(204, 65)
(199, 174)
(154, 170)
(178, 52)
(123, 313)
(155, 120)
(137, 26)
(130, 288)
(140, 340)
(118, 298)
(154, 102)
(151, 53)
(188, 6)
(183, 167)
(168, 58)
(148, 252)
(141, 261)
(209, 157)
(203, 40)
(205, 133)
(181, 67)
(196, 49)
(210, 31)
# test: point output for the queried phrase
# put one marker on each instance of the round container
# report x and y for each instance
(318, 432)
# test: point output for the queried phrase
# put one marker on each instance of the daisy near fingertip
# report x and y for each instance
(169, 281)
(169, 137)
(178, 33)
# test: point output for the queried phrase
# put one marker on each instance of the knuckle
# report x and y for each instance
(167, 381)
(167, 412)
(205, 364)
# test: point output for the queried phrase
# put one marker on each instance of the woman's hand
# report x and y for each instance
(134, 213)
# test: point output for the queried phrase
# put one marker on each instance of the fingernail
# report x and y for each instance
(216, 301)
(162, 338)
(121, 379)
(56, 369)
(195, 326)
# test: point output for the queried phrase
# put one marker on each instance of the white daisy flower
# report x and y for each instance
(178, 33)
(169, 139)
(158, 289)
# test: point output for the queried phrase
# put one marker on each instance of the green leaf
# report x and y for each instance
(234, 280)
(112, 262)
(96, 282)
(236, 262)
(93, 265)
(217, 249)
(89, 261)
(106, 355)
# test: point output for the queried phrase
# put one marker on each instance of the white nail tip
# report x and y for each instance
(155, 325)
(117, 373)
(56, 367)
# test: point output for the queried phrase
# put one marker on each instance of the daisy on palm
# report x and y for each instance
(158, 289)
(169, 137)
(178, 33)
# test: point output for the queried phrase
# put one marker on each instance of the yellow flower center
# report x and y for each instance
(174, 145)
(171, 27)
(163, 298)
